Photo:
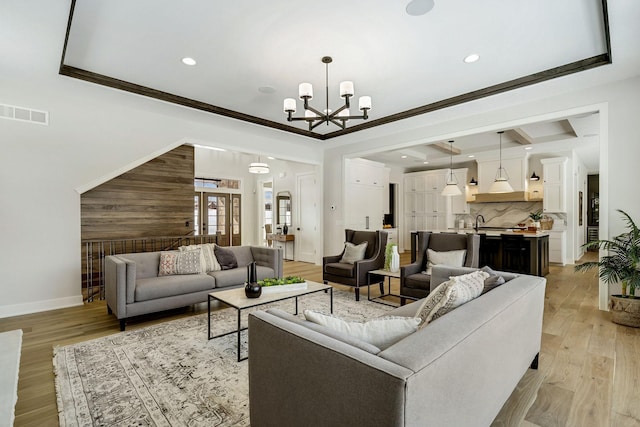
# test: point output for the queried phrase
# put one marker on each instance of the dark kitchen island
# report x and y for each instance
(518, 252)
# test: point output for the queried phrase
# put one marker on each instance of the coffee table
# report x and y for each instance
(237, 299)
(378, 277)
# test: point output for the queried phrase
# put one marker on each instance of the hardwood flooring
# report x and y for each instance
(589, 371)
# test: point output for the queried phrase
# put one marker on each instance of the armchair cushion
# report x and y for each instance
(381, 332)
(452, 258)
(353, 253)
(340, 269)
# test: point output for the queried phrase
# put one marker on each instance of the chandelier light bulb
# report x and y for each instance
(364, 103)
(305, 90)
(289, 105)
(346, 89)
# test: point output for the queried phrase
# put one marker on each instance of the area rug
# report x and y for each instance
(169, 374)
(10, 348)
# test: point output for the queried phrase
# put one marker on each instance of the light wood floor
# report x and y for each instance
(589, 373)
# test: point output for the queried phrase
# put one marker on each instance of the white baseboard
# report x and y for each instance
(38, 306)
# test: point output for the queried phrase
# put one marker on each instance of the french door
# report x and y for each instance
(219, 213)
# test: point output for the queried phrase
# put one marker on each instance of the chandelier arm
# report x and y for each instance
(340, 123)
(315, 125)
(318, 113)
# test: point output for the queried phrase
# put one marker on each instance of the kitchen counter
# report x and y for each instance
(494, 232)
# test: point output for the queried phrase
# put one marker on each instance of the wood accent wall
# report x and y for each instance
(153, 199)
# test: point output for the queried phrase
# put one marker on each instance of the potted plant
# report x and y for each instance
(536, 217)
(621, 264)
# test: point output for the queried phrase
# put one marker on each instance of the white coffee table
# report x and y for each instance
(237, 299)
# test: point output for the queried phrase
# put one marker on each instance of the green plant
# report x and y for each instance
(621, 264)
(536, 216)
(387, 255)
(274, 281)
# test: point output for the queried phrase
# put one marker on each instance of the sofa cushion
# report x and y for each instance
(231, 277)
(168, 286)
(493, 281)
(381, 332)
(453, 293)
(347, 339)
(353, 253)
(208, 261)
(452, 258)
(226, 258)
(176, 262)
(340, 269)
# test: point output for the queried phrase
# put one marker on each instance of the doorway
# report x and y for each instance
(219, 213)
(266, 214)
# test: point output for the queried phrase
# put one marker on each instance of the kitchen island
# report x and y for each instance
(516, 251)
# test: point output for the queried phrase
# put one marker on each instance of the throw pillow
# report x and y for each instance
(452, 258)
(353, 253)
(177, 262)
(226, 258)
(453, 293)
(493, 281)
(381, 332)
(208, 261)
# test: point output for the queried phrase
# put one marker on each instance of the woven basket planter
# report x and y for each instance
(625, 310)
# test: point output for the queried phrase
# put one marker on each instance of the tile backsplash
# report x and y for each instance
(506, 214)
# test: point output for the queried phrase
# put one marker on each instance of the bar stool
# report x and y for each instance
(514, 253)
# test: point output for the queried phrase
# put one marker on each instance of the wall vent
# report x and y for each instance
(24, 114)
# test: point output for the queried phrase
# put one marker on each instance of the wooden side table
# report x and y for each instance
(285, 239)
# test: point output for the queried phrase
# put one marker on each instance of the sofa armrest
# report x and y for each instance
(408, 270)
(115, 280)
(353, 386)
(268, 257)
(441, 273)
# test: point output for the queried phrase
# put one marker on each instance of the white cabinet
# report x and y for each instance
(554, 176)
(364, 194)
(516, 169)
(459, 203)
(425, 208)
(557, 251)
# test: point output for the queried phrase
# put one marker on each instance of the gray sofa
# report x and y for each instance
(457, 371)
(133, 287)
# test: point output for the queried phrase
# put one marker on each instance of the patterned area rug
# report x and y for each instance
(170, 374)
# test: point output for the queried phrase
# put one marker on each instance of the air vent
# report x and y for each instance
(24, 114)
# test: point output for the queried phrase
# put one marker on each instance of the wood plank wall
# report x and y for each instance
(154, 199)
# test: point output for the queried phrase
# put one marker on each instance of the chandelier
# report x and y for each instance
(258, 167)
(338, 117)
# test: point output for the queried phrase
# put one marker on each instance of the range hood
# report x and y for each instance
(515, 196)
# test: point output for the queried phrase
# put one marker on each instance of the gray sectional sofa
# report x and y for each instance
(459, 370)
(133, 286)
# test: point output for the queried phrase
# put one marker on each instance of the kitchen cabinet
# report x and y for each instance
(424, 206)
(516, 169)
(459, 203)
(364, 194)
(536, 254)
(557, 251)
(554, 176)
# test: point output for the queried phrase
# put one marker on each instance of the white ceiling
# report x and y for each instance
(403, 62)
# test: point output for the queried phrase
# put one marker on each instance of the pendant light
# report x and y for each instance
(451, 189)
(501, 183)
(473, 181)
(534, 177)
(258, 167)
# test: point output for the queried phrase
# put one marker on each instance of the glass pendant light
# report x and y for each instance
(501, 183)
(451, 189)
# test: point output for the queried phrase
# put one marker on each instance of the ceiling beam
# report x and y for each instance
(568, 127)
(520, 136)
(445, 147)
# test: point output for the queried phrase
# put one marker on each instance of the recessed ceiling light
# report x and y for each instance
(188, 61)
(425, 163)
(471, 58)
(471, 156)
(419, 7)
(528, 148)
(271, 158)
(403, 157)
(266, 89)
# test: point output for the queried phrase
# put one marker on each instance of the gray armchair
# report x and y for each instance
(413, 282)
(356, 274)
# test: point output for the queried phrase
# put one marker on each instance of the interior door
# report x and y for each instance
(215, 214)
(307, 230)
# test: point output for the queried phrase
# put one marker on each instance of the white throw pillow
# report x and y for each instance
(208, 260)
(453, 293)
(353, 253)
(452, 258)
(381, 332)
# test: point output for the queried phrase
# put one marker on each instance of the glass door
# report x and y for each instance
(218, 213)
